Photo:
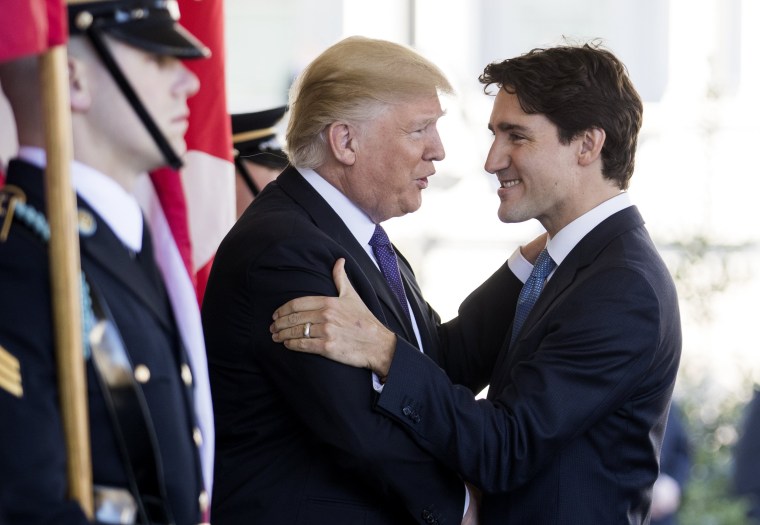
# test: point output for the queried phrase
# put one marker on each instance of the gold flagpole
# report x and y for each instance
(65, 274)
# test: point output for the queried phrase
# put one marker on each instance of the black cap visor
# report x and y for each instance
(161, 36)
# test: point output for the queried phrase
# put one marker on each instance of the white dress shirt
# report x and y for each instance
(115, 206)
(568, 237)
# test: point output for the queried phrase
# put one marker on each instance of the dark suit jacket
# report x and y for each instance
(573, 426)
(32, 463)
(297, 440)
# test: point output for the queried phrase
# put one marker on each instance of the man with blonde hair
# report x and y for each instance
(297, 439)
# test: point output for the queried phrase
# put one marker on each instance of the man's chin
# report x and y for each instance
(509, 216)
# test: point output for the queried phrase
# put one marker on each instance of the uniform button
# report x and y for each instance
(83, 20)
(142, 374)
(86, 223)
(203, 501)
(197, 437)
(187, 375)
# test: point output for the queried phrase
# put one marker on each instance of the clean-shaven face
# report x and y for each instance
(162, 83)
(394, 158)
(537, 173)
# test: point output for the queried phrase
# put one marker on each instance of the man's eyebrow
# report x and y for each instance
(506, 126)
(432, 118)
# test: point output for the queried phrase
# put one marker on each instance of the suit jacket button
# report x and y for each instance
(407, 411)
(203, 502)
(429, 517)
(142, 374)
(187, 374)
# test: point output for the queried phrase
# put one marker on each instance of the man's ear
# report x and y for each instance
(79, 86)
(341, 138)
(592, 142)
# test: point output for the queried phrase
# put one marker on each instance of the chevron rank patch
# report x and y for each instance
(10, 373)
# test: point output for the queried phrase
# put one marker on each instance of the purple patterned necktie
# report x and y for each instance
(386, 259)
(531, 290)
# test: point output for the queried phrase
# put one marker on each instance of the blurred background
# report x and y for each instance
(696, 64)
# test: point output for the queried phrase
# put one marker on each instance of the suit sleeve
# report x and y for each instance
(335, 402)
(469, 344)
(586, 360)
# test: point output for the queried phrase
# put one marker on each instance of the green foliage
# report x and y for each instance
(713, 426)
(703, 269)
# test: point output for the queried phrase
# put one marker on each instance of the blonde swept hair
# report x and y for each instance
(352, 81)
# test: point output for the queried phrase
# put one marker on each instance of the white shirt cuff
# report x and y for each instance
(376, 384)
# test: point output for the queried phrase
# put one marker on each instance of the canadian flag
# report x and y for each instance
(190, 211)
(199, 201)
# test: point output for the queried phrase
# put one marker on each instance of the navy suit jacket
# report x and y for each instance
(576, 408)
(297, 439)
(33, 462)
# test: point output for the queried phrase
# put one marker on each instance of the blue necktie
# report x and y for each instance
(531, 290)
(386, 259)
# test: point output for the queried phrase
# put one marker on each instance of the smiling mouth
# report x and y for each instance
(509, 183)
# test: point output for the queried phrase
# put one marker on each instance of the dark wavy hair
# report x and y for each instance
(577, 88)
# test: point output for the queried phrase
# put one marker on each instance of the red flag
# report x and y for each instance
(31, 27)
(189, 212)
(209, 174)
(200, 201)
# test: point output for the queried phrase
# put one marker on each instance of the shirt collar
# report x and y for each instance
(569, 236)
(358, 222)
(116, 207)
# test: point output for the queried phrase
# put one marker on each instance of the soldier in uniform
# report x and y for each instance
(258, 153)
(128, 94)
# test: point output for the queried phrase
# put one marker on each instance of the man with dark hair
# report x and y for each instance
(128, 99)
(580, 388)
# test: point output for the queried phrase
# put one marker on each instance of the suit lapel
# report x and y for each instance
(293, 183)
(581, 256)
(105, 250)
(426, 325)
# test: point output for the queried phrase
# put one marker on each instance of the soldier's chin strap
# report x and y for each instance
(245, 175)
(171, 157)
